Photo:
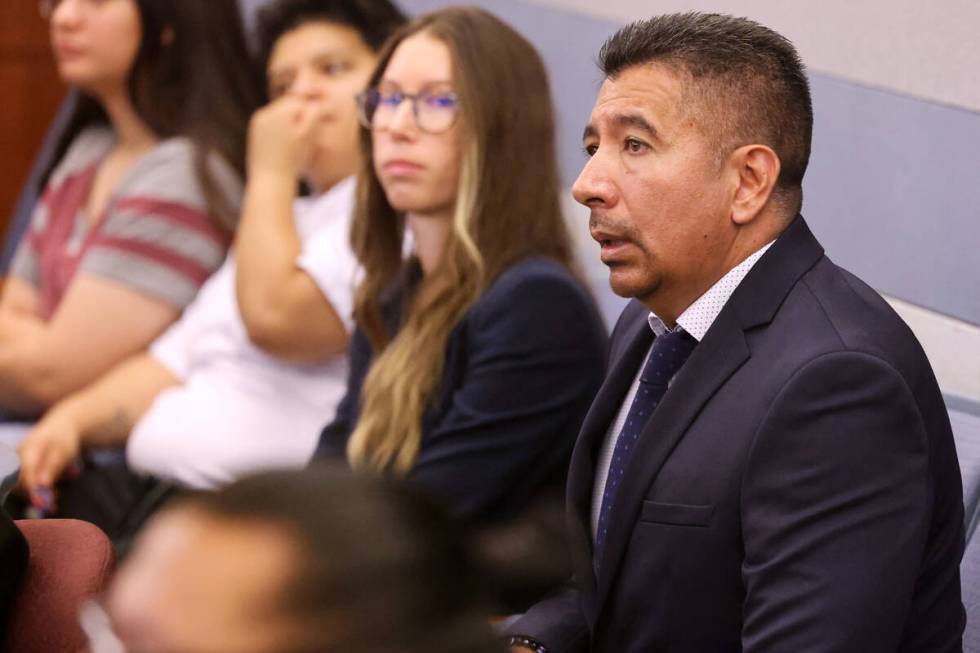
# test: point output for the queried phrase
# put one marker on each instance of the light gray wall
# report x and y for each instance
(925, 49)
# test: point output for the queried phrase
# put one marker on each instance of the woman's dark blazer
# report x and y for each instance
(521, 370)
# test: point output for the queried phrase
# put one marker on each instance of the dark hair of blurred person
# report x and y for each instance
(320, 560)
(476, 358)
(374, 21)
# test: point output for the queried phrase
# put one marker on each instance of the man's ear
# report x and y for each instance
(757, 170)
(167, 36)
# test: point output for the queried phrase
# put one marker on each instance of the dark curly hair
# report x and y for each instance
(374, 20)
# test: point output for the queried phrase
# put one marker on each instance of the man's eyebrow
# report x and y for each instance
(636, 120)
(624, 120)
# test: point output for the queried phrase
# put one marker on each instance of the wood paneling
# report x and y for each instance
(30, 93)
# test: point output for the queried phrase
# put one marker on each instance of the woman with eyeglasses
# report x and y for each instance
(139, 205)
(476, 356)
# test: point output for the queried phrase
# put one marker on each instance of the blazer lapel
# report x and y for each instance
(637, 339)
(713, 361)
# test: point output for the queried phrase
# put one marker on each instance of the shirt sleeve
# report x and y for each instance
(158, 237)
(25, 265)
(87, 148)
(174, 349)
(329, 260)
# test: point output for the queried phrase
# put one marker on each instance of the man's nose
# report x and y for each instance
(595, 186)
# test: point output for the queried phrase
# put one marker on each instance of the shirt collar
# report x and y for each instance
(699, 316)
(342, 191)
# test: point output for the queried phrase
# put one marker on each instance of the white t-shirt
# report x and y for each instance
(239, 409)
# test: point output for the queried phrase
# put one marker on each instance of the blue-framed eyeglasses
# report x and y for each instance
(434, 111)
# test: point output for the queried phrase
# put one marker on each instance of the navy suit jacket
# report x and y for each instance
(797, 489)
(521, 370)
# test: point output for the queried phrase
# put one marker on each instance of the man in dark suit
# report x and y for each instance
(768, 465)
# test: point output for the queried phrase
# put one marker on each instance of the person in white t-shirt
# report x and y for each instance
(256, 365)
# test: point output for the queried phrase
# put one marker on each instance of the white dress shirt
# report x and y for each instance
(695, 320)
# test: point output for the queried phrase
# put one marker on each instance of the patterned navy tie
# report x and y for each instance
(668, 354)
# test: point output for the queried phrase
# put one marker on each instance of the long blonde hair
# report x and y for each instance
(507, 209)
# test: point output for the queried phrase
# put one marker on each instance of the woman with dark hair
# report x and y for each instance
(243, 380)
(475, 360)
(140, 204)
(314, 561)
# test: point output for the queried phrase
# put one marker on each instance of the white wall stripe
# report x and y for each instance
(925, 49)
(953, 347)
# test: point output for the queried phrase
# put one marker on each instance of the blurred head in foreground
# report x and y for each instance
(285, 562)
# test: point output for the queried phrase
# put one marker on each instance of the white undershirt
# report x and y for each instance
(695, 320)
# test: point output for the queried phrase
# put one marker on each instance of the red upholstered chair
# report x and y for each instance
(70, 562)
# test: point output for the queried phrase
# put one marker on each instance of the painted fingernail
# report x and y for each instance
(42, 498)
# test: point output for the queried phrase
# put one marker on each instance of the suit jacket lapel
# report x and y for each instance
(722, 351)
(715, 359)
(625, 363)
